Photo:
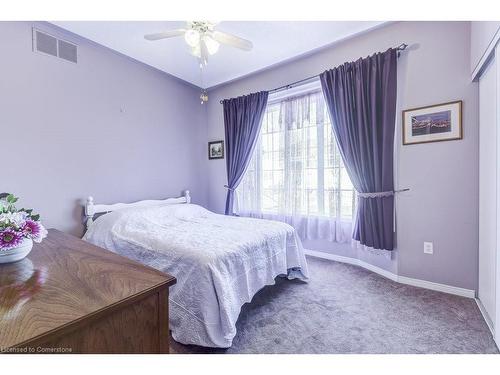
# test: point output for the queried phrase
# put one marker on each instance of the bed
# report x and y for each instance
(220, 261)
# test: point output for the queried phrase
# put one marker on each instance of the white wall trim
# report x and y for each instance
(485, 315)
(469, 293)
(486, 56)
(497, 266)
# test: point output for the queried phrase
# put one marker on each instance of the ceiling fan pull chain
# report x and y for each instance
(204, 94)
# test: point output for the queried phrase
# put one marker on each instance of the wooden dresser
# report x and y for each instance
(69, 296)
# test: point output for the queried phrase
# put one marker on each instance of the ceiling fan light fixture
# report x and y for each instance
(192, 38)
(212, 45)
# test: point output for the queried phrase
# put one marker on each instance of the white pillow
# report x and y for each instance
(185, 211)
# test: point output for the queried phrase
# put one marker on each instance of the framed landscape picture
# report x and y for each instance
(216, 150)
(440, 122)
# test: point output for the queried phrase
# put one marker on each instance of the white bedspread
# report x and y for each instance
(219, 261)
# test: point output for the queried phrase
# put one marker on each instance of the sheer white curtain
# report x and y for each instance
(296, 174)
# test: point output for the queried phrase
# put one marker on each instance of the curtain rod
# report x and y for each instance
(399, 48)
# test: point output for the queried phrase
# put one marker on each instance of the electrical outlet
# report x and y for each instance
(428, 248)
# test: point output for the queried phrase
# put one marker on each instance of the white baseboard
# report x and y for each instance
(485, 315)
(392, 276)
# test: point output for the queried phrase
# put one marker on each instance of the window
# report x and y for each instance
(296, 169)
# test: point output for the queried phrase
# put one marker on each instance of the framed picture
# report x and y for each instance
(435, 123)
(216, 150)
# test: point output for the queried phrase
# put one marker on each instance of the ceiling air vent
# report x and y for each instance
(66, 51)
(45, 43)
(49, 45)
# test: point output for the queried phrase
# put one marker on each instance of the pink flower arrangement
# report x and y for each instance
(16, 225)
(9, 238)
(32, 229)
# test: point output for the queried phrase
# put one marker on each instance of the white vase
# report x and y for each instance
(16, 253)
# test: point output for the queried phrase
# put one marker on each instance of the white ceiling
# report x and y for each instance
(274, 42)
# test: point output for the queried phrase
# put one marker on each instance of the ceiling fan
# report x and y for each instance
(203, 39)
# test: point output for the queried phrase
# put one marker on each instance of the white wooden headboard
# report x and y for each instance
(92, 209)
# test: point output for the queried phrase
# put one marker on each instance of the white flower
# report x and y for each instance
(43, 233)
(13, 218)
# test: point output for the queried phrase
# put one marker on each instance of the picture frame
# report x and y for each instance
(433, 123)
(216, 150)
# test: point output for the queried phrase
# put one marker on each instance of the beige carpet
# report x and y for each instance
(347, 309)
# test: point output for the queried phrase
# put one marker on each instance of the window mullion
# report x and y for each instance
(321, 159)
(338, 188)
(258, 175)
(286, 157)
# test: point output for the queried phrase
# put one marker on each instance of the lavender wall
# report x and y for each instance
(442, 205)
(108, 126)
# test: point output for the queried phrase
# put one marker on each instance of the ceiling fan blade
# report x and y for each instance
(165, 34)
(232, 40)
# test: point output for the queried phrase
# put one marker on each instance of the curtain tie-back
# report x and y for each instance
(378, 194)
(228, 188)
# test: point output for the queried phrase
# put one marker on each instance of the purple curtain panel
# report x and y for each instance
(361, 99)
(242, 119)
